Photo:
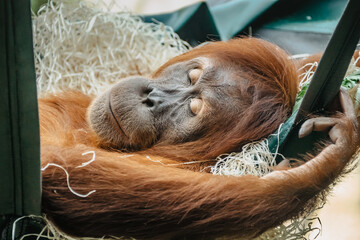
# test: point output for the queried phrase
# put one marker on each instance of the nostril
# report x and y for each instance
(147, 91)
(144, 92)
(148, 103)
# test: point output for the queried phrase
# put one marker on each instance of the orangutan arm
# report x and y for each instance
(142, 199)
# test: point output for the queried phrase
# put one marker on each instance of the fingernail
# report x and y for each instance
(301, 133)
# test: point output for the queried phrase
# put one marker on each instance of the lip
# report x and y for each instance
(113, 115)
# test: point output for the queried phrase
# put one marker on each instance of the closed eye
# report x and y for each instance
(194, 75)
(196, 105)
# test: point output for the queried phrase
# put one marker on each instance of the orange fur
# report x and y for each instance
(147, 196)
(269, 70)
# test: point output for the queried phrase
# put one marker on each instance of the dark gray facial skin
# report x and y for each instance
(184, 101)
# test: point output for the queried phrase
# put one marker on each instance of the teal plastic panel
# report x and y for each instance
(233, 16)
(319, 16)
(198, 23)
(194, 23)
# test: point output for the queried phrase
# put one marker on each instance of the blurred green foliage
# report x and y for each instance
(36, 4)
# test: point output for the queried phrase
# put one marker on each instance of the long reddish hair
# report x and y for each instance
(272, 86)
(137, 197)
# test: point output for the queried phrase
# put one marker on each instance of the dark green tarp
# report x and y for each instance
(20, 190)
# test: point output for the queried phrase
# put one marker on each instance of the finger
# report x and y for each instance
(283, 165)
(336, 133)
(316, 124)
(347, 104)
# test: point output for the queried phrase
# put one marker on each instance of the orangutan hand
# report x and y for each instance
(343, 129)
